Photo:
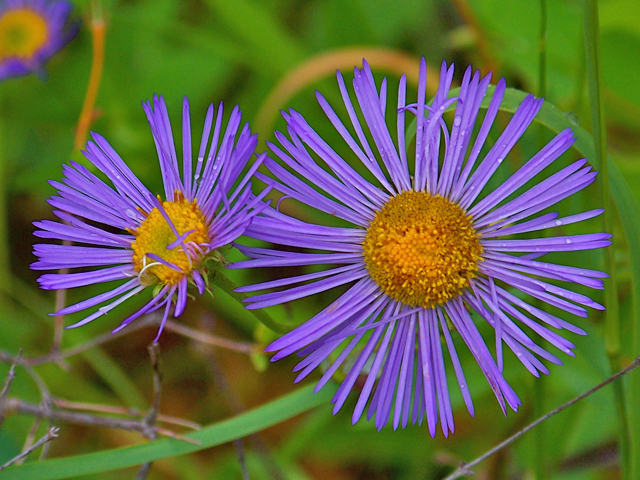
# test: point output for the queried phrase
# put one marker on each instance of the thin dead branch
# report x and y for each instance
(50, 435)
(465, 469)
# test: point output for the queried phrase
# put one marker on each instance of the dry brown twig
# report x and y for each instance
(45, 404)
(51, 409)
(145, 426)
(29, 441)
(10, 376)
(16, 406)
(148, 320)
(55, 357)
(464, 470)
(50, 435)
(131, 412)
(7, 385)
(150, 419)
(207, 338)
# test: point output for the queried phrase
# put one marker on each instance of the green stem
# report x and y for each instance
(220, 280)
(5, 272)
(592, 44)
(539, 389)
(581, 78)
(542, 50)
(612, 320)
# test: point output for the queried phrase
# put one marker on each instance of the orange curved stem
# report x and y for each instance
(325, 64)
(98, 30)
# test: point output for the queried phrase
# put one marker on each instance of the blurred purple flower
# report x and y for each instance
(31, 32)
(424, 250)
(160, 244)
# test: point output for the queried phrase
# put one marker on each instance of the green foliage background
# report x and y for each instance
(239, 52)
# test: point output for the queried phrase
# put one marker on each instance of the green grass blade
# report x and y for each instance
(5, 273)
(539, 387)
(612, 318)
(225, 431)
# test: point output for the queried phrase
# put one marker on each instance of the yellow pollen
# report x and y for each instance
(155, 234)
(22, 33)
(422, 249)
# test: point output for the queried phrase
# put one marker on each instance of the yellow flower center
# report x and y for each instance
(422, 249)
(22, 33)
(155, 234)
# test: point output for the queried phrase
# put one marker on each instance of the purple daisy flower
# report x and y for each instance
(423, 250)
(31, 32)
(161, 244)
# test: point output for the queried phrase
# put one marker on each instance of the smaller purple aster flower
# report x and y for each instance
(31, 32)
(426, 249)
(140, 238)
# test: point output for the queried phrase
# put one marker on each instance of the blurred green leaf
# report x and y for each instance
(391, 19)
(335, 23)
(619, 14)
(115, 377)
(273, 49)
(620, 50)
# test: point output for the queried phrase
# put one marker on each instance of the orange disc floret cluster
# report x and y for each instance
(22, 33)
(154, 236)
(422, 249)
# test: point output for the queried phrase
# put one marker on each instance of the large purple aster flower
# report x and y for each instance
(31, 32)
(161, 244)
(423, 252)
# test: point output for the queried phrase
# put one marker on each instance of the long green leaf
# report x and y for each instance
(240, 426)
(5, 274)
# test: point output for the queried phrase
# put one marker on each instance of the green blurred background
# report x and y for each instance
(266, 56)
